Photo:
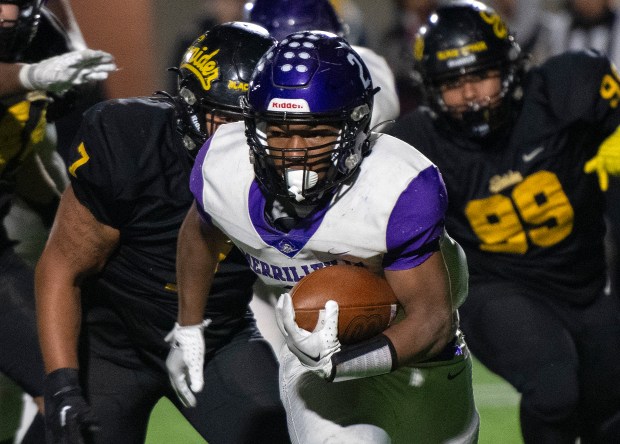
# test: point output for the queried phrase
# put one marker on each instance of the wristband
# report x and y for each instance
(373, 357)
(60, 381)
(24, 77)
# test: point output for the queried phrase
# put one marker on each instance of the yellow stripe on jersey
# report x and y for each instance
(81, 161)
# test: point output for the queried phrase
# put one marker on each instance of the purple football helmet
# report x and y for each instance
(310, 78)
(284, 17)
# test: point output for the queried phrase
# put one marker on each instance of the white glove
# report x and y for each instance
(185, 360)
(58, 74)
(314, 350)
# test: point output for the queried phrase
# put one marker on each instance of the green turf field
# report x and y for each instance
(497, 404)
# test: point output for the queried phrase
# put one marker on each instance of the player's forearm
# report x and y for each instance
(58, 316)
(416, 339)
(196, 263)
(9, 79)
(428, 326)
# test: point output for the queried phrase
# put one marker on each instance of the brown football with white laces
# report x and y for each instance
(367, 304)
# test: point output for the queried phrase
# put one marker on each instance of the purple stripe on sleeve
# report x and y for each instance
(196, 182)
(416, 222)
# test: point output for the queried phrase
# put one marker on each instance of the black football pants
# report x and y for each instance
(563, 359)
(20, 355)
(240, 401)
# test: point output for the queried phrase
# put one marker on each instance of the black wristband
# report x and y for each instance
(61, 381)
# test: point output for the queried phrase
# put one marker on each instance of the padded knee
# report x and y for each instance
(552, 395)
(549, 406)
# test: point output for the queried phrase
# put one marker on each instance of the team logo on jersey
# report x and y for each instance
(202, 64)
(500, 182)
(287, 248)
(298, 105)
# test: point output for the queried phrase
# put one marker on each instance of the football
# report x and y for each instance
(367, 304)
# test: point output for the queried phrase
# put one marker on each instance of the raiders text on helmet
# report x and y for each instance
(215, 72)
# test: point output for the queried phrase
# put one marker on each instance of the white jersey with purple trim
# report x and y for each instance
(391, 216)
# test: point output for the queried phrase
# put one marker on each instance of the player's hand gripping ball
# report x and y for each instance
(366, 301)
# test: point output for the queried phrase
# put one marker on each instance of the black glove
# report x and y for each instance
(67, 415)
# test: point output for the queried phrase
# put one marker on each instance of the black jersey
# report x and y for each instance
(521, 205)
(128, 166)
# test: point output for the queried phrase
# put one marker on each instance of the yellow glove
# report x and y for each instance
(606, 161)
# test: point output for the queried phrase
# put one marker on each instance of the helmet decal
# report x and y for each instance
(464, 55)
(214, 74)
(499, 27)
(355, 60)
(199, 61)
(237, 85)
(288, 104)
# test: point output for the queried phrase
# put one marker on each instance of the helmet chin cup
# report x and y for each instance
(297, 184)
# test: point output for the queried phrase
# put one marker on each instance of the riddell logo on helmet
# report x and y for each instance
(299, 105)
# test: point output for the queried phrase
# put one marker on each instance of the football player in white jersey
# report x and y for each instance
(320, 188)
(284, 17)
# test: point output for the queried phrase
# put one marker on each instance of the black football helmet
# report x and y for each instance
(468, 38)
(310, 78)
(214, 74)
(16, 35)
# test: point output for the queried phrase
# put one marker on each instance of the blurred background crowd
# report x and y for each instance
(145, 36)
